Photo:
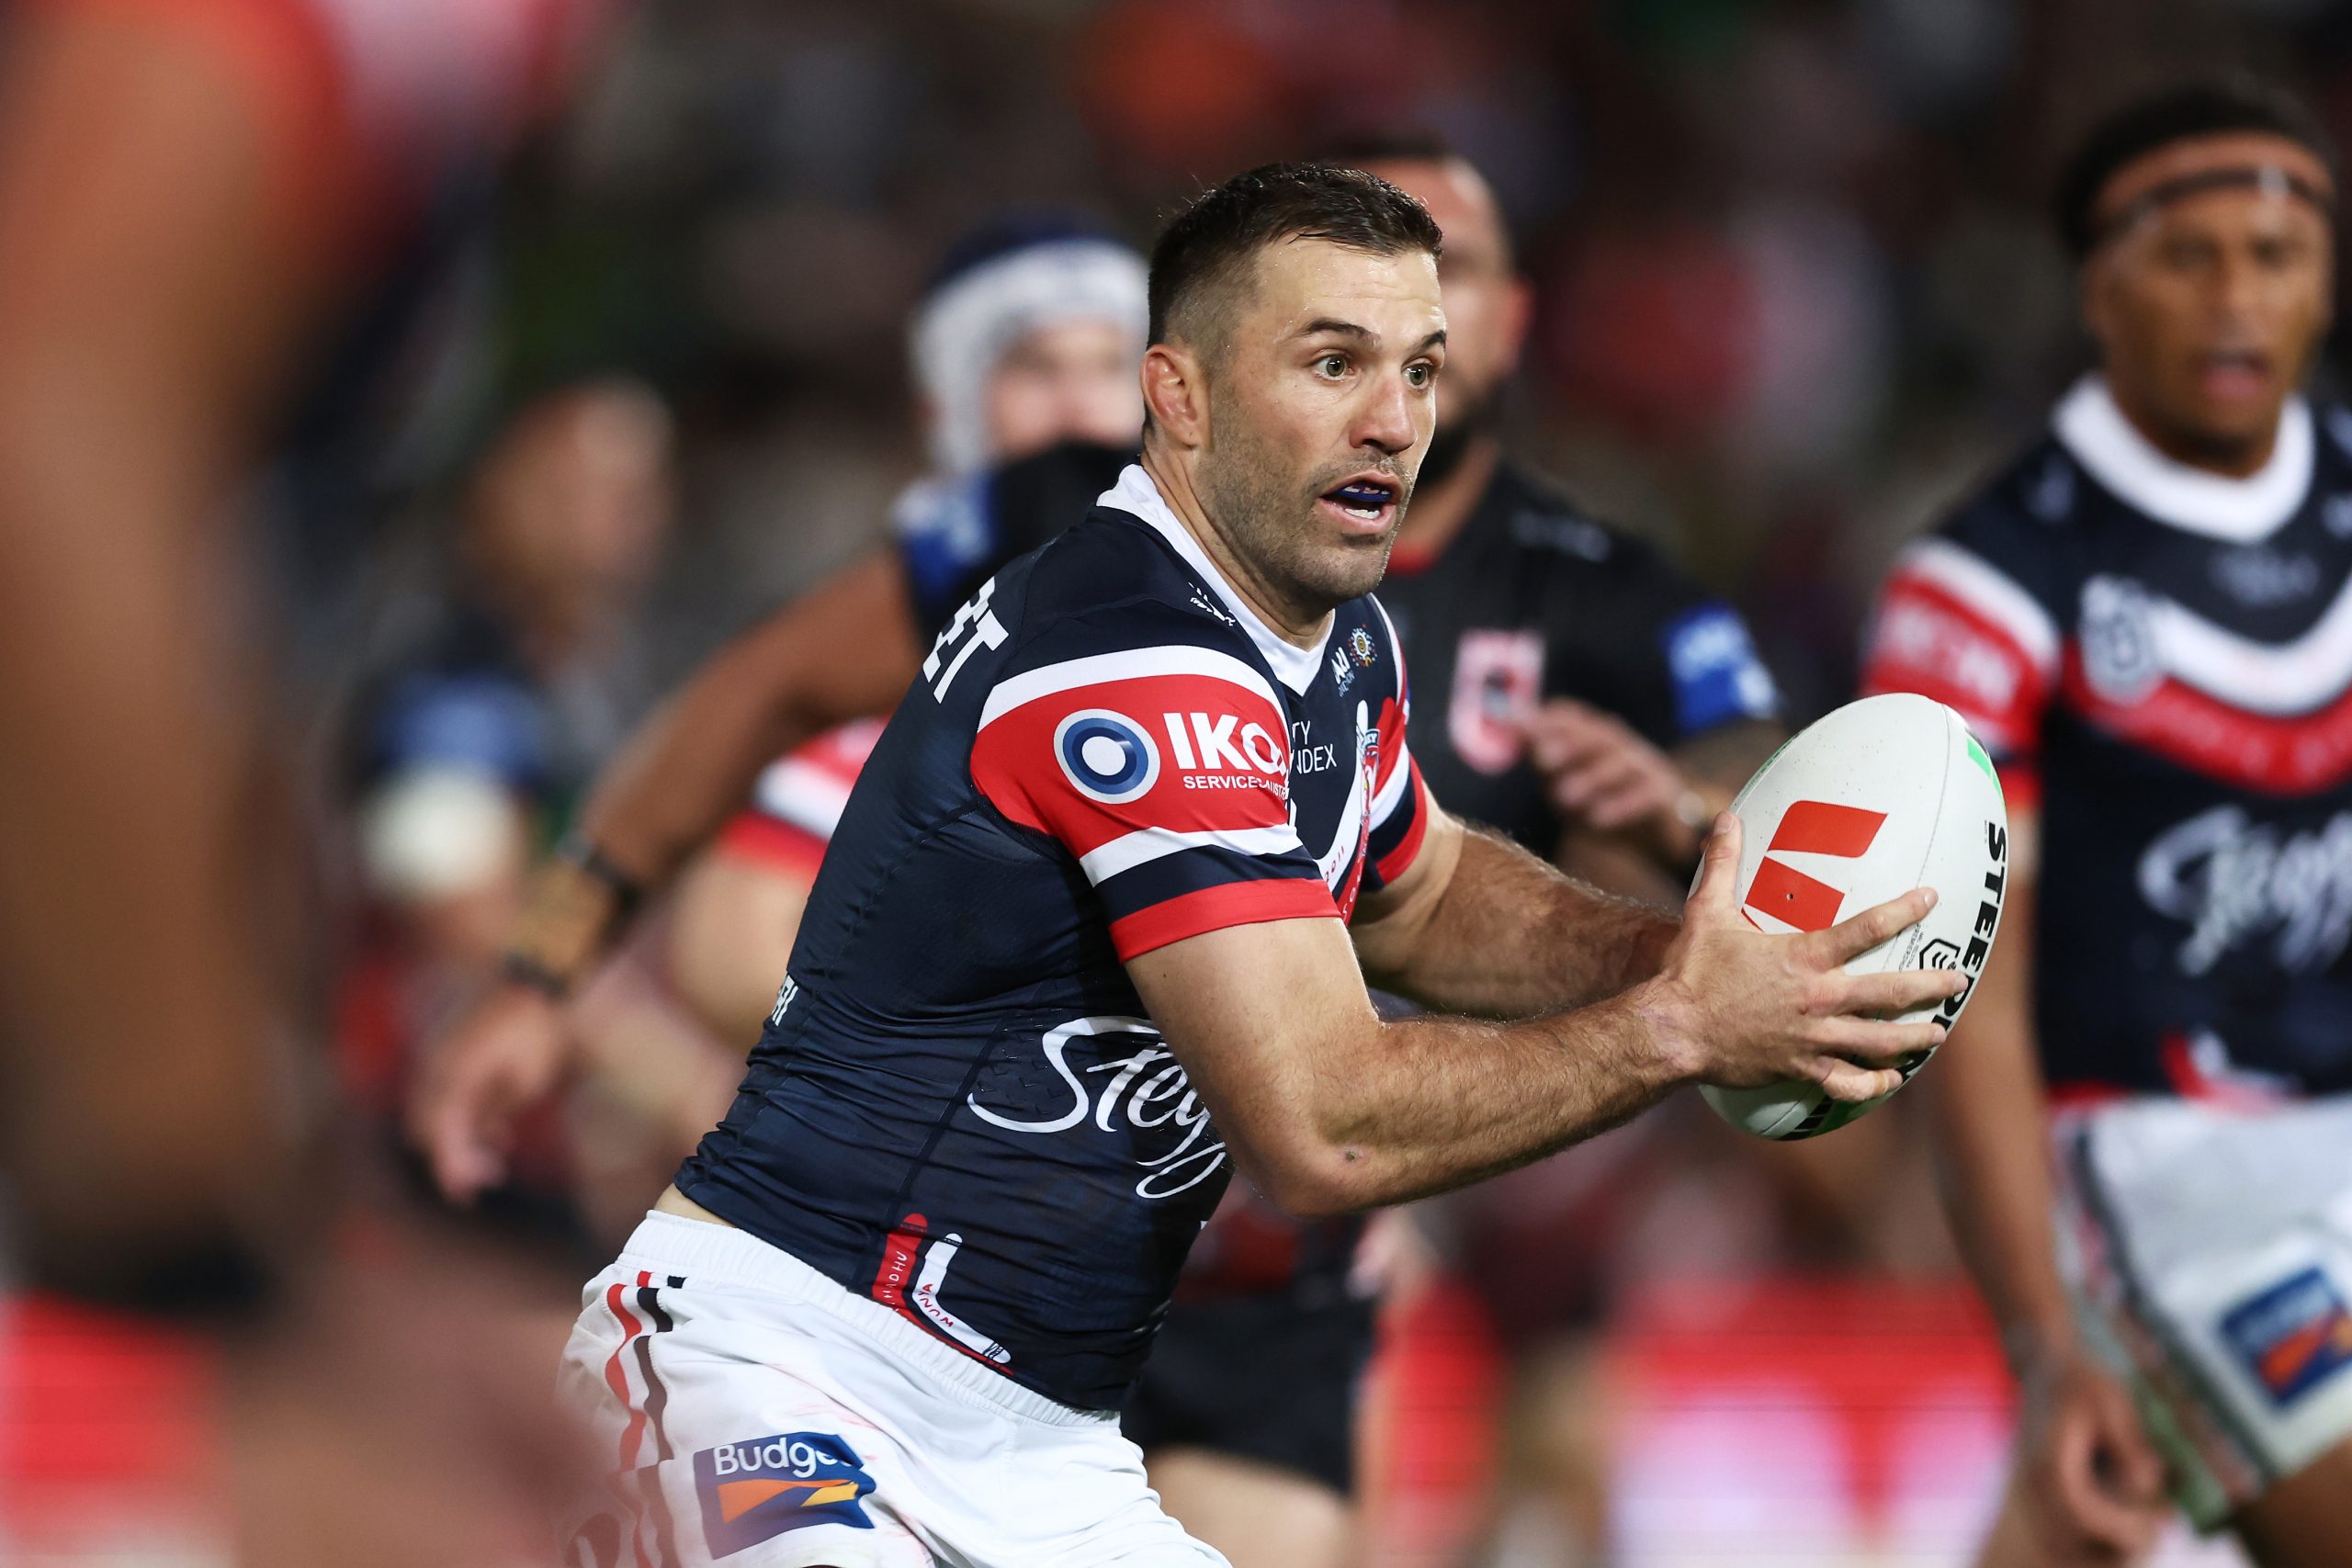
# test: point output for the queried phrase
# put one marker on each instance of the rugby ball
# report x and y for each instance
(1883, 796)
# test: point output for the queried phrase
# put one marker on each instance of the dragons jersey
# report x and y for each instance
(1534, 600)
(958, 1107)
(2164, 659)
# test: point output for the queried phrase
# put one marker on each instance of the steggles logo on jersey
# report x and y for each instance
(1815, 827)
(1140, 1096)
(1106, 755)
(756, 1490)
(2232, 879)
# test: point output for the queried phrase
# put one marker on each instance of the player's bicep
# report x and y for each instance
(844, 649)
(1255, 1014)
(1390, 919)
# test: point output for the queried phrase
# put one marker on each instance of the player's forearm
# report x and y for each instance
(1427, 1105)
(1985, 1101)
(843, 650)
(1510, 936)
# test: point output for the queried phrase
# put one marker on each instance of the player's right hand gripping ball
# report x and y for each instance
(1883, 796)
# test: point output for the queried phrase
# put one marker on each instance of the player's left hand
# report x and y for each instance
(1599, 772)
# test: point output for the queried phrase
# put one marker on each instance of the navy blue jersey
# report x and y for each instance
(959, 1108)
(2162, 657)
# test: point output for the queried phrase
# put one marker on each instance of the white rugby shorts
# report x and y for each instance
(2209, 1253)
(755, 1415)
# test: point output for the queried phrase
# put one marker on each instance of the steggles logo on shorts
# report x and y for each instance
(756, 1490)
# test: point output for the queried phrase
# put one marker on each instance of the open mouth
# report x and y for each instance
(2234, 371)
(1366, 500)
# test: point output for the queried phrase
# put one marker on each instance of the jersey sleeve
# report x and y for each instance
(1670, 659)
(1161, 763)
(1956, 622)
(1401, 802)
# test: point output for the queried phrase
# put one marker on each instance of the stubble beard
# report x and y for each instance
(1269, 522)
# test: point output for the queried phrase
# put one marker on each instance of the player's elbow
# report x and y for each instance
(1313, 1179)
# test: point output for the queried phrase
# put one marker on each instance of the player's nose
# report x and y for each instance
(1384, 418)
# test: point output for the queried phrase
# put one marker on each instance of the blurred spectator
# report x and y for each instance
(520, 673)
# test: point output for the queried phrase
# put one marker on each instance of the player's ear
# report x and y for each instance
(1175, 392)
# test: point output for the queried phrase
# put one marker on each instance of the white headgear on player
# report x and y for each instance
(1028, 277)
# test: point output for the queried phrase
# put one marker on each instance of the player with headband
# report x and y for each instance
(2144, 620)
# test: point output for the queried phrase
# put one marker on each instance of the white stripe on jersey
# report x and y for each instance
(1991, 593)
(2279, 679)
(1147, 844)
(1127, 664)
(803, 795)
(1384, 804)
(2099, 435)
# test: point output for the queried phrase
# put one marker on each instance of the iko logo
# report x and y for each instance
(1106, 755)
(1218, 742)
(755, 1491)
(1810, 827)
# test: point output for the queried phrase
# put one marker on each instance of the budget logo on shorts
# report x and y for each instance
(1106, 755)
(753, 1491)
(2293, 1337)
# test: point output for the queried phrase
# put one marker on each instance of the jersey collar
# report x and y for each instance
(1136, 494)
(2095, 430)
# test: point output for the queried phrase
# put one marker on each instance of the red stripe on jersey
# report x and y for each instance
(1399, 860)
(2301, 755)
(1214, 909)
(765, 840)
(1925, 639)
(1221, 755)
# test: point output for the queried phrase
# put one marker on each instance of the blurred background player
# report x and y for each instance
(2144, 620)
(220, 224)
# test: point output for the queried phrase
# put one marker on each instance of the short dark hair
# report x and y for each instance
(2213, 106)
(1208, 242)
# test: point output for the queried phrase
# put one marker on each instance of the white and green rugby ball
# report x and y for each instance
(1883, 796)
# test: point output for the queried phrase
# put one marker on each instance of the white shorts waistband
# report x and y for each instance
(699, 1249)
